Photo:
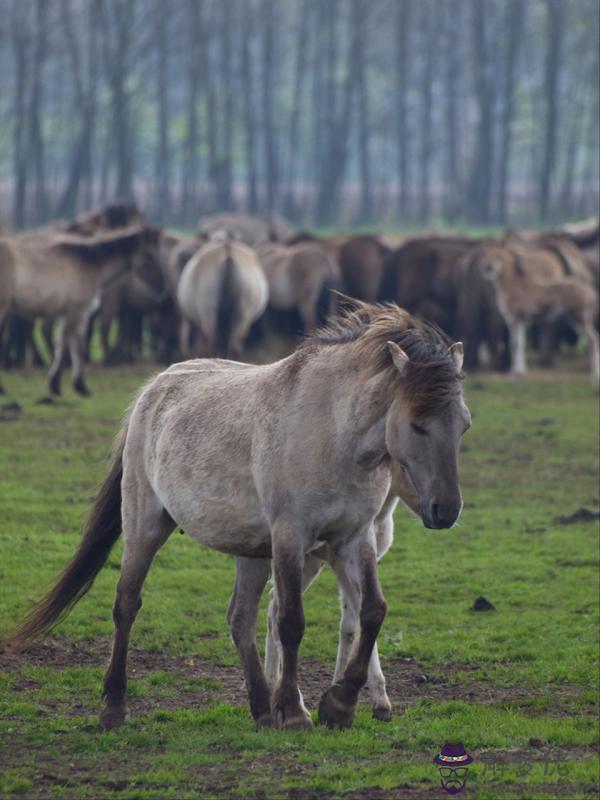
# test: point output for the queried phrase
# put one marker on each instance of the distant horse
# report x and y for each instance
(277, 462)
(530, 283)
(250, 229)
(362, 266)
(106, 218)
(222, 290)
(298, 277)
(57, 275)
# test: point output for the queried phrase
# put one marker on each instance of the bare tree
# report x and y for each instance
(480, 184)
(555, 15)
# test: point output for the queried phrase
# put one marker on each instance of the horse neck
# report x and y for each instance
(360, 401)
(112, 268)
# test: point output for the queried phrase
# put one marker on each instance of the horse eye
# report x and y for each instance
(418, 429)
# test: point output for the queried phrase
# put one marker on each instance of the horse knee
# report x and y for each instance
(372, 616)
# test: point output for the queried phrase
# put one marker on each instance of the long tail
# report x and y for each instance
(226, 309)
(101, 531)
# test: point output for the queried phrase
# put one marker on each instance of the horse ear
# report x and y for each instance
(457, 351)
(399, 357)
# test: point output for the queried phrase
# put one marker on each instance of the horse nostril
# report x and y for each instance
(435, 515)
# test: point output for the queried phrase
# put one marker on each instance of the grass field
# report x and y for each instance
(518, 686)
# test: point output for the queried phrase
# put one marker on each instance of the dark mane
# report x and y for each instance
(430, 380)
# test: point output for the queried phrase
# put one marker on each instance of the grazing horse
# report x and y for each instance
(298, 276)
(277, 462)
(61, 276)
(531, 283)
(223, 290)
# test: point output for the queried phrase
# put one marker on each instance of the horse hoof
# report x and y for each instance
(54, 388)
(264, 721)
(81, 388)
(300, 721)
(333, 712)
(112, 717)
(382, 713)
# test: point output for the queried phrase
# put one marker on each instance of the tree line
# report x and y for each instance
(333, 112)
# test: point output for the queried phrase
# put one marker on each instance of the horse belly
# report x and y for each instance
(221, 513)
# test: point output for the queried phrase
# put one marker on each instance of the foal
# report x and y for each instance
(278, 461)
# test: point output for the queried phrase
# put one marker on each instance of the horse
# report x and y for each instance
(222, 290)
(531, 283)
(298, 276)
(249, 229)
(400, 489)
(61, 276)
(276, 462)
(424, 276)
(362, 266)
(106, 218)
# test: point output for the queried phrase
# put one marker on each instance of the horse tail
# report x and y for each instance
(101, 531)
(226, 304)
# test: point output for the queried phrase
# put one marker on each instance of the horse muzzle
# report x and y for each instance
(441, 515)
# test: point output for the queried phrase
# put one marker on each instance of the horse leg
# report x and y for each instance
(593, 351)
(585, 327)
(349, 628)
(46, 328)
(517, 347)
(185, 332)
(359, 564)
(144, 534)
(77, 350)
(308, 313)
(288, 563)
(60, 351)
(251, 577)
(312, 567)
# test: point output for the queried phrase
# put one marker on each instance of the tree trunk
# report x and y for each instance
(428, 34)
(480, 185)
(248, 108)
(304, 14)
(453, 20)
(403, 20)
(36, 139)
(162, 165)
(555, 22)
(20, 38)
(194, 32)
(360, 8)
(515, 20)
(268, 68)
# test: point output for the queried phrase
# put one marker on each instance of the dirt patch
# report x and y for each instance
(407, 681)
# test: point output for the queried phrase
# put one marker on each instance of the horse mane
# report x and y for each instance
(430, 380)
(98, 248)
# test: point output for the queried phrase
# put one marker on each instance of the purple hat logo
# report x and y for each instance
(452, 762)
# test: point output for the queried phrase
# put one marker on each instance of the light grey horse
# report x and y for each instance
(277, 461)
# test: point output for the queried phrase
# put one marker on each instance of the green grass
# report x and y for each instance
(524, 672)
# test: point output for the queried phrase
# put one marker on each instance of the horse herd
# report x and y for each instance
(240, 275)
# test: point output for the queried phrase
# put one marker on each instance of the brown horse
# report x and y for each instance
(362, 265)
(298, 276)
(424, 276)
(61, 276)
(106, 218)
(297, 458)
(530, 283)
